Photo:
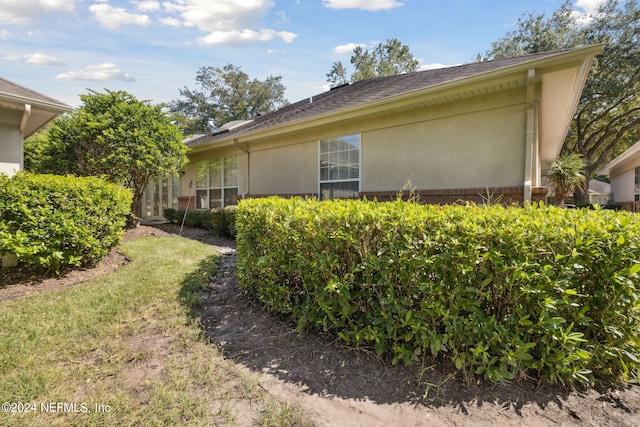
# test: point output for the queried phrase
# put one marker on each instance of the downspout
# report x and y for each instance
(235, 143)
(23, 125)
(25, 117)
(529, 135)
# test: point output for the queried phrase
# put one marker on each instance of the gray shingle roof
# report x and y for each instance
(14, 90)
(366, 91)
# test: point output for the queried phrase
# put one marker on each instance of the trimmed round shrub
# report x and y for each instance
(53, 222)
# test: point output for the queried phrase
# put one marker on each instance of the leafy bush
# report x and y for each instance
(231, 212)
(52, 222)
(172, 215)
(196, 219)
(199, 219)
(224, 221)
(501, 292)
(220, 220)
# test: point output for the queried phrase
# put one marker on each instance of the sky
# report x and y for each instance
(151, 49)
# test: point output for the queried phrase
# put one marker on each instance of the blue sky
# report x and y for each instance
(153, 48)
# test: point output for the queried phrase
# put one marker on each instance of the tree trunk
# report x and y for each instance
(581, 196)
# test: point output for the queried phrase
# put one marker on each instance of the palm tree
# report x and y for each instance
(566, 173)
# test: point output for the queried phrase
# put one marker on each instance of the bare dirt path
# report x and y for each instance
(339, 386)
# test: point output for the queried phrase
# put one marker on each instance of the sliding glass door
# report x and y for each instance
(161, 193)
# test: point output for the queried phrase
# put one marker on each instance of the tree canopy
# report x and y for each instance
(113, 135)
(386, 59)
(607, 120)
(223, 95)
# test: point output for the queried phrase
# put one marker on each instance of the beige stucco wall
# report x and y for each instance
(478, 149)
(292, 169)
(623, 186)
(10, 148)
(471, 143)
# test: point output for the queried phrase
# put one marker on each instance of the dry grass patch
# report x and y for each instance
(123, 350)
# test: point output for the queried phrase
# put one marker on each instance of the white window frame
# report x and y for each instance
(223, 188)
(344, 180)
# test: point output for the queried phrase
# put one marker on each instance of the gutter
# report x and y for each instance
(37, 104)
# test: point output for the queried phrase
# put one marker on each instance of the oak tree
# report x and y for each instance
(386, 59)
(223, 95)
(607, 120)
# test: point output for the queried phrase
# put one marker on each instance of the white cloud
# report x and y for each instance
(220, 15)
(286, 36)
(590, 6)
(362, 4)
(147, 5)
(226, 21)
(347, 49)
(42, 59)
(4, 34)
(245, 36)
(434, 66)
(36, 58)
(171, 22)
(107, 71)
(586, 10)
(23, 12)
(112, 18)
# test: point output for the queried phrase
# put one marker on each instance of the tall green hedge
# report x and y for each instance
(52, 222)
(501, 292)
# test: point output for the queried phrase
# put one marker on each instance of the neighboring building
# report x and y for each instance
(624, 174)
(22, 113)
(599, 192)
(458, 133)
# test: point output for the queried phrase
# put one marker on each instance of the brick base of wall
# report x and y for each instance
(502, 195)
(284, 196)
(186, 203)
(629, 206)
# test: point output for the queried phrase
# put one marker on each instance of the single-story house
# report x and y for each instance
(599, 192)
(481, 130)
(624, 174)
(22, 113)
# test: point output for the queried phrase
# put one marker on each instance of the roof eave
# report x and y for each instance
(40, 104)
(586, 54)
(621, 160)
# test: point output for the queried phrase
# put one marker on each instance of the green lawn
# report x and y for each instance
(123, 350)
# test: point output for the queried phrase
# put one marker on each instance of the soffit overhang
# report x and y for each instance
(39, 112)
